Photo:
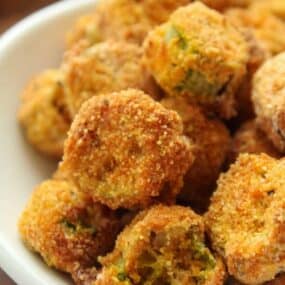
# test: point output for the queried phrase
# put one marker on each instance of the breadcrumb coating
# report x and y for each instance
(195, 55)
(163, 245)
(246, 218)
(266, 25)
(43, 114)
(249, 139)
(87, 29)
(126, 20)
(104, 68)
(211, 141)
(126, 150)
(130, 20)
(269, 99)
(66, 228)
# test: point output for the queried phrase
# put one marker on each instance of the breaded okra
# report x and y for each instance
(163, 245)
(246, 218)
(66, 228)
(104, 68)
(211, 141)
(127, 151)
(122, 20)
(195, 55)
(43, 113)
(266, 25)
(269, 99)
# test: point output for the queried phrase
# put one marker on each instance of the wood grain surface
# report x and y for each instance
(12, 11)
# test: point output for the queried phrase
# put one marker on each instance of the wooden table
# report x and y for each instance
(10, 12)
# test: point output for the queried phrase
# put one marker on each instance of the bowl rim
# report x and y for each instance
(16, 268)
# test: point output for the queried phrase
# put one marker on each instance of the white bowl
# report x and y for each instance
(31, 46)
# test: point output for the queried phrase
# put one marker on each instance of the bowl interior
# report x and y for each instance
(31, 46)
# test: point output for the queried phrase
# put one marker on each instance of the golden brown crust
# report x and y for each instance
(246, 220)
(211, 141)
(163, 245)
(249, 139)
(104, 68)
(126, 150)
(122, 20)
(268, 99)
(87, 29)
(66, 228)
(266, 26)
(187, 60)
(43, 113)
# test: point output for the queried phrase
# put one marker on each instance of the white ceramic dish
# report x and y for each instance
(32, 45)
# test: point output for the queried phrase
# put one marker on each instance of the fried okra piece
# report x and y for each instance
(127, 151)
(246, 218)
(86, 29)
(163, 245)
(43, 113)
(66, 228)
(266, 25)
(249, 139)
(269, 99)
(211, 141)
(122, 20)
(195, 55)
(104, 68)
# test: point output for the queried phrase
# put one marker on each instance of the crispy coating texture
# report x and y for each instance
(122, 20)
(269, 99)
(104, 68)
(194, 55)
(66, 228)
(163, 245)
(127, 150)
(246, 218)
(211, 141)
(267, 26)
(43, 113)
(250, 139)
(85, 29)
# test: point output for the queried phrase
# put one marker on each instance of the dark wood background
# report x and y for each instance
(10, 12)
(13, 10)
